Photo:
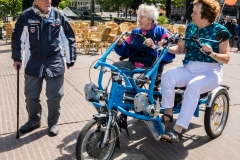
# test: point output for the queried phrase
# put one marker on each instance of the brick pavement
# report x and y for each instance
(76, 112)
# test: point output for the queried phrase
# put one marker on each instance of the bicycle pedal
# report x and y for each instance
(165, 140)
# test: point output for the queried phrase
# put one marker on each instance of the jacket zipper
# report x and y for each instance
(49, 33)
(42, 66)
(38, 31)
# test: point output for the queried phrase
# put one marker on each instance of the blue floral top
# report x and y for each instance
(192, 49)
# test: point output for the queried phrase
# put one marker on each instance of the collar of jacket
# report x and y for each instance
(147, 31)
(51, 18)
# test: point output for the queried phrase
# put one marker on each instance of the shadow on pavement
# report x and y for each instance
(5, 51)
(68, 145)
(9, 142)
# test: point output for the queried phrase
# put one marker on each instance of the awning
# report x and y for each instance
(69, 13)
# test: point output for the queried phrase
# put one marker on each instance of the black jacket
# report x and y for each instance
(43, 42)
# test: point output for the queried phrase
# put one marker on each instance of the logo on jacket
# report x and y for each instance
(33, 21)
(32, 29)
(57, 22)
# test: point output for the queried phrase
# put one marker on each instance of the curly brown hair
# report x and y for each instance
(210, 9)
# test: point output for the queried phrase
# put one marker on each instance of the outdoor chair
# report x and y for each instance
(166, 25)
(9, 30)
(127, 23)
(99, 30)
(132, 27)
(81, 39)
(181, 30)
(101, 38)
(170, 29)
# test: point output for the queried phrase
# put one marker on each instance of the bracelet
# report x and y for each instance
(214, 54)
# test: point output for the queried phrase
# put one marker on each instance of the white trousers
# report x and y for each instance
(198, 77)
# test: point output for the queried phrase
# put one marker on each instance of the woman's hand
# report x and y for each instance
(149, 42)
(206, 48)
(119, 42)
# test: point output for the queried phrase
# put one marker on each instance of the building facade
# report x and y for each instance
(83, 5)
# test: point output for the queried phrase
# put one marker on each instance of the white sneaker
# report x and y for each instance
(152, 129)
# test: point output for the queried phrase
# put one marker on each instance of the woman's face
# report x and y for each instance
(196, 15)
(144, 22)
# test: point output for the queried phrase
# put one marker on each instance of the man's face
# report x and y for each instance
(227, 18)
(44, 5)
(234, 22)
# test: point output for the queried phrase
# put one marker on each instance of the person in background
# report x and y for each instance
(237, 31)
(42, 31)
(233, 29)
(200, 72)
(225, 21)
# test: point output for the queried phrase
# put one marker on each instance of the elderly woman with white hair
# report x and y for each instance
(142, 52)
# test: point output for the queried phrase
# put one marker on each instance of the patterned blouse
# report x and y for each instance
(192, 49)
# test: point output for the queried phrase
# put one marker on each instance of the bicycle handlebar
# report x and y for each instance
(172, 39)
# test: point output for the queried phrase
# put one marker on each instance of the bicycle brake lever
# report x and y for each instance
(194, 38)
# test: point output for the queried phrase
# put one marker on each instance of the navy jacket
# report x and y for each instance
(138, 52)
(44, 43)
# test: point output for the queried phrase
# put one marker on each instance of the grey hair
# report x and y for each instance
(150, 11)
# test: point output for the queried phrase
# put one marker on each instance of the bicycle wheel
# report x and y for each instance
(216, 116)
(90, 139)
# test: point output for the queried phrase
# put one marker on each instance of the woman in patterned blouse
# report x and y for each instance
(200, 72)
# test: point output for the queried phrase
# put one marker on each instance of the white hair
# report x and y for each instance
(148, 10)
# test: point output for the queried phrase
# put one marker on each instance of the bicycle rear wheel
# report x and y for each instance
(216, 116)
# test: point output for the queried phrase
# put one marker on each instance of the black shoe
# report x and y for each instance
(123, 116)
(53, 131)
(122, 122)
(30, 126)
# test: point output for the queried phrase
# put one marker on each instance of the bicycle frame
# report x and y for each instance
(114, 99)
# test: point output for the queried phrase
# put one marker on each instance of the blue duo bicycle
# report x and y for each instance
(100, 136)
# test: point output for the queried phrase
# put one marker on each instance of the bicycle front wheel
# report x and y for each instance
(90, 139)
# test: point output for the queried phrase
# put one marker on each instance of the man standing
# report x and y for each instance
(44, 31)
(233, 29)
(225, 21)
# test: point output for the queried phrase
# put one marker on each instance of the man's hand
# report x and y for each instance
(15, 65)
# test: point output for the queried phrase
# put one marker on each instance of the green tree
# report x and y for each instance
(63, 4)
(113, 5)
(13, 7)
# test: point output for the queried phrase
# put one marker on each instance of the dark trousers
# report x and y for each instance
(54, 93)
(231, 41)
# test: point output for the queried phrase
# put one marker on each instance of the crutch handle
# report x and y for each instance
(18, 66)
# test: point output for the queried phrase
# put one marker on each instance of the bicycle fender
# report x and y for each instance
(101, 115)
(213, 94)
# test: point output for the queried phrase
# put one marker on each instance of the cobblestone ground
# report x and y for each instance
(76, 112)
